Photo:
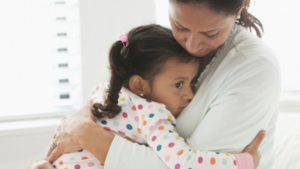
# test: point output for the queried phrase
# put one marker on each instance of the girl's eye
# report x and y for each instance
(178, 85)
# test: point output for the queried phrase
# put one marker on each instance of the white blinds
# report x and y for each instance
(40, 59)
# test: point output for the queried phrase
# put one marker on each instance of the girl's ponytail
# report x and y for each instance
(117, 79)
(249, 21)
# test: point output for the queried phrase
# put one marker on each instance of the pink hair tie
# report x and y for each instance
(124, 39)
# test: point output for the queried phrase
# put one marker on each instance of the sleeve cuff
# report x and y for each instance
(244, 161)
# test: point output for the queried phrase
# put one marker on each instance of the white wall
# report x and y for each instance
(101, 23)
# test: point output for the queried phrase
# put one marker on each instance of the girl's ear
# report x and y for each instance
(139, 86)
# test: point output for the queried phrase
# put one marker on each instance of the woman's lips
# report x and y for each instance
(198, 54)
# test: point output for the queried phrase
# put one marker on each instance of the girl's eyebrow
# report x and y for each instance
(199, 32)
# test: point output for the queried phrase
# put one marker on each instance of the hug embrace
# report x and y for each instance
(202, 95)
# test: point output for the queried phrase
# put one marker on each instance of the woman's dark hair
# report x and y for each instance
(149, 48)
(231, 7)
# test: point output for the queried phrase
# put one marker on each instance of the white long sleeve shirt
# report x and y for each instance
(237, 97)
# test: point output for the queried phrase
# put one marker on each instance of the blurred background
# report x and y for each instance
(54, 52)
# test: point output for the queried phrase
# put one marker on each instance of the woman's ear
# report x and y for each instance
(139, 86)
(238, 14)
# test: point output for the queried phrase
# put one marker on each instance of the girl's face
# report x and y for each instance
(198, 29)
(174, 87)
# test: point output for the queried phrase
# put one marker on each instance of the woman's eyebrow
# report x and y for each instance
(199, 32)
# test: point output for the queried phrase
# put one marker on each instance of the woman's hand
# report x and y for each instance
(40, 164)
(252, 148)
(73, 131)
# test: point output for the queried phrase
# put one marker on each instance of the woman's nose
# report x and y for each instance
(193, 44)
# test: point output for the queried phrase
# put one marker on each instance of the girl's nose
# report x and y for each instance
(189, 94)
(193, 44)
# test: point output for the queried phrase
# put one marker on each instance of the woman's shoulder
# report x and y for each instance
(249, 45)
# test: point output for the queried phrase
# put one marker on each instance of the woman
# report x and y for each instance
(237, 95)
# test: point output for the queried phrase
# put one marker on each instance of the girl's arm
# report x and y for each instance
(162, 138)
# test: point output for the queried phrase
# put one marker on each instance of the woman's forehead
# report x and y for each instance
(197, 16)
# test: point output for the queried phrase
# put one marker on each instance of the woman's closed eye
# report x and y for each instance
(178, 85)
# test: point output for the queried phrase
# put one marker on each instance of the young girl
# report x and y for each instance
(152, 80)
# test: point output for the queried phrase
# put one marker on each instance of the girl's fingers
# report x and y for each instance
(257, 141)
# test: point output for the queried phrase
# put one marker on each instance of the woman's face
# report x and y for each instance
(200, 30)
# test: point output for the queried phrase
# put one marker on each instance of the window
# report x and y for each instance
(40, 60)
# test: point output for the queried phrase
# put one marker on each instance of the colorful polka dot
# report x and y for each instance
(160, 110)
(150, 127)
(161, 128)
(60, 162)
(200, 160)
(206, 152)
(54, 166)
(174, 129)
(139, 130)
(167, 158)
(153, 138)
(227, 154)
(134, 137)
(180, 152)
(91, 164)
(129, 98)
(102, 164)
(71, 159)
(171, 145)
(146, 137)
(158, 148)
(143, 116)
(106, 128)
(115, 123)
(167, 108)
(125, 115)
(80, 150)
(150, 106)
(123, 105)
(170, 131)
(149, 101)
(84, 158)
(104, 122)
(136, 97)
(136, 118)
(212, 161)
(177, 137)
(144, 123)
(122, 99)
(140, 107)
(166, 122)
(169, 117)
(165, 137)
(129, 127)
(188, 157)
(224, 161)
(133, 108)
(217, 152)
(128, 138)
(234, 162)
(174, 125)
(121, 132)
(177, 166)
(66, 168)
(151, 115)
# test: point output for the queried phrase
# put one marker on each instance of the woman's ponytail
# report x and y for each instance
(117, 79)
(249, 21)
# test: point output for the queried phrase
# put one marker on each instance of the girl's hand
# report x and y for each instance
(252, 148)
(70, 134)
(40, 164)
